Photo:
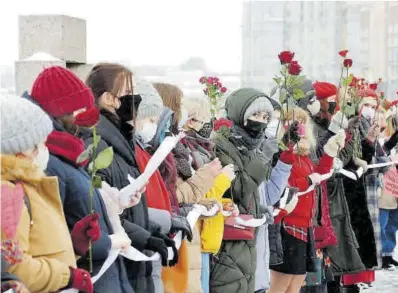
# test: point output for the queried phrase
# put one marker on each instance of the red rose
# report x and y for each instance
(294, 68)
(373, 86)
(354, 81)
(347, 63)
(87, 118)
(202, 80)
(210, 80)
(286, 57)
(343, 53)
(223, 89)
(382, 94)
(215, 79)
(222, 123)
(219, 84)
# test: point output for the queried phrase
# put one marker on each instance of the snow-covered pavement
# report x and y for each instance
(386, 281)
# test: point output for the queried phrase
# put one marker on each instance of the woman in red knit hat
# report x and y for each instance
(297, 231)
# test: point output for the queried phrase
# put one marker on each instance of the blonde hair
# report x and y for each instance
(198, 107)
(172, 97)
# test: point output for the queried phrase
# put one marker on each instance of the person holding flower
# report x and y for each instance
(48, 261)
(114, 93)
(66, 102)
(239, 142)
(297, 227)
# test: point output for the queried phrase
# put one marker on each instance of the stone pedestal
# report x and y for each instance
(26, 71)
(81, 70)
(61, 36)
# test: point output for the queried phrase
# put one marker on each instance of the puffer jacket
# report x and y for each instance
(235, 264)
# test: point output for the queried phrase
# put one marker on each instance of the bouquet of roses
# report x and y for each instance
(214, 90)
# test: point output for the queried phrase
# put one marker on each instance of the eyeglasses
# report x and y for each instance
(198, 121)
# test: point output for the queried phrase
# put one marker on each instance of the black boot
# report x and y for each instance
(394, 262)
(388, 263)
(351, 289)
(334, 287)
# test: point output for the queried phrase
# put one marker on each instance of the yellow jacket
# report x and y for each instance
(212, 229)
(45, 241)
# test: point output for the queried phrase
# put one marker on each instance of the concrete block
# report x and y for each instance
(81, 70)
(27, 70)
(61, 36)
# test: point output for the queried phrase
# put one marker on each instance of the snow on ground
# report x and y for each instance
(386, 281)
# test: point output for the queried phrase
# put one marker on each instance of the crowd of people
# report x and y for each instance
(282, 160)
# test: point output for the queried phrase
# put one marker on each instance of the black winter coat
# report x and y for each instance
(135, 219)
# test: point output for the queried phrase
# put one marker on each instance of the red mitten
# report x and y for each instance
(287, 157)
(84, 230)
(80, 280)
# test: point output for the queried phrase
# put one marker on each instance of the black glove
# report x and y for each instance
(157, 244)
(169, 243)
(179, 223)
(293, 131)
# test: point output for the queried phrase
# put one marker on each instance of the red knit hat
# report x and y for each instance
(60, 92)
(324, 90)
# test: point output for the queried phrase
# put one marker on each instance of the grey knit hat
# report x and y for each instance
(24, 125)
(151, 104)
(259, 105)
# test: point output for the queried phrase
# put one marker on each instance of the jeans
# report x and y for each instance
(389, 228)
(205, 274)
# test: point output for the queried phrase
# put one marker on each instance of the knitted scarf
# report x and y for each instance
(242, 141)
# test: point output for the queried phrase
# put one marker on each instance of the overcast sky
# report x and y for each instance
(143, 31)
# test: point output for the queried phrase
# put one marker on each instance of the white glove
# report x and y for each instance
(120, 241)
(292, 204)
(361, 163)
(229, 171)
(335, 143)
(338, 121)
(315, 178)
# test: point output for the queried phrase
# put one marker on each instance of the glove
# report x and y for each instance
(85, 230)
(335, 143)
(229, 171)
(170, 243)
(294, 136)
(80, 280)
(338, 121)
(315, 178)
(267, 211)
(292, 204)
(361, 163)
(120, 241)
(287, 157)
(270, 147)
(157, 244)
(179, 223)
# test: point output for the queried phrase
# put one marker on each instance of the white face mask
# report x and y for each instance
(42, 158)
(272, 128)
(368, 112)
(148, 131)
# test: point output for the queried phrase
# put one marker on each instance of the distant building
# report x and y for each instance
(316, 31)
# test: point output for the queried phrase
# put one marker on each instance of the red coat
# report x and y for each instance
(156, 192)
(302, 215)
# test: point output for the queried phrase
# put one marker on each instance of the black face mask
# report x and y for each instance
(254, 128)
(323, 122)
(128, 107)
(332, 107)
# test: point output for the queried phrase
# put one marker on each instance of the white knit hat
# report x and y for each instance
(24, 125)
(151, 104)
(259, 105)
